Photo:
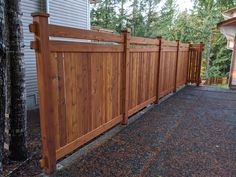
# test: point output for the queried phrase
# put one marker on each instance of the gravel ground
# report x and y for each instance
(191, 134)
(31, 166)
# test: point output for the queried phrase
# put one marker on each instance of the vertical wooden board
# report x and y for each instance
(78, 62)
(141, 73)
(168, 68)
(61, 100)
(97, 85)
(186, 66)
(147, 57)
(71, 95)
(53, 60)
(161, 73)
(174, 58)
(180, 69)
(114, 85)
(193, 67)
(130, 80)
(152, 74)
(135, 88)
(144, 77)
(120, 92)
(133, 79)
(83, 64)
(156, 73)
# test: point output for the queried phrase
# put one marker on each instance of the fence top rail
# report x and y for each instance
(142, 40)
(196, 45)
(69, 32)
(183, 45)
(67, 46)
(166, 43)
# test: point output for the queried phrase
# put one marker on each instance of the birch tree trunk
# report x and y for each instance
(2, 82)
(17, 148)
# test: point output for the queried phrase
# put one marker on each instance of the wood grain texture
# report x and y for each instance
(91, 91)
(143, 77)
(87, 88)
(69, 32)
(167, 67)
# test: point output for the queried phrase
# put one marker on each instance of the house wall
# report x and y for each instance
(27, 7)
(234, 74)
(73, 13)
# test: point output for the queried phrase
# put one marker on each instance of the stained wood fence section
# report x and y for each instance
(86, 88)
(216, 80)
(195, 59)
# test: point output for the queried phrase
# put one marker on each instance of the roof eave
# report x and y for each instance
(231, 21)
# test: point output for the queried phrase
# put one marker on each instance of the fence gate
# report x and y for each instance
(195, 61)
(87, 87)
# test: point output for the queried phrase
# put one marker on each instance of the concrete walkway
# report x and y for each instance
(191, 134)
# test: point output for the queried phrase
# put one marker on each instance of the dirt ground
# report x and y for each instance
(31, 166)
(193, 133)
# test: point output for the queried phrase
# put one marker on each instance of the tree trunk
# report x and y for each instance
(2, 82)
(17, 148)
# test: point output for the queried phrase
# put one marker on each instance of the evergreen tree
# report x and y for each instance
(122, 17)
(136, 20)
(151, 15)
(165, 23)
(104, 15)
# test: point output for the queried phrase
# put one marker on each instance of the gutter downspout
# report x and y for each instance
(232, 63)
(47, 9)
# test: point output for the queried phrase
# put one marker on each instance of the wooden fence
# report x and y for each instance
(86, 88)
(195, 60)
(216, 80)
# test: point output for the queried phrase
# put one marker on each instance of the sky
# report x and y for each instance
(184, 4)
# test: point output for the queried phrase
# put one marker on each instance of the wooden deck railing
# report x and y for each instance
(86, 88)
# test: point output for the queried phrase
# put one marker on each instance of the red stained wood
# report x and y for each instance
(87, 88)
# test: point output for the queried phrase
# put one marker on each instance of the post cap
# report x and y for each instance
(40, 14)
(127, 30)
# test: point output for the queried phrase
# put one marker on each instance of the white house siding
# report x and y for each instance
(73, 13)
(28, 7)
(234, 74)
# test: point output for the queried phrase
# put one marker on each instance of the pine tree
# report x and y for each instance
(122, 17)
(104, 15)
(137, 21)
(165, 23)
(151, 15)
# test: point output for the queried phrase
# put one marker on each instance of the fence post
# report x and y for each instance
(199, 64)
(46, 91)
(176, 66)
(188, 63)
(127, 37)
(158, 71)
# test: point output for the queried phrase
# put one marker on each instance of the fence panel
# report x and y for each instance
(182, 70)
(167, 67)
(195, 59)
(86, 88)
(143, 73)
(89, 92)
